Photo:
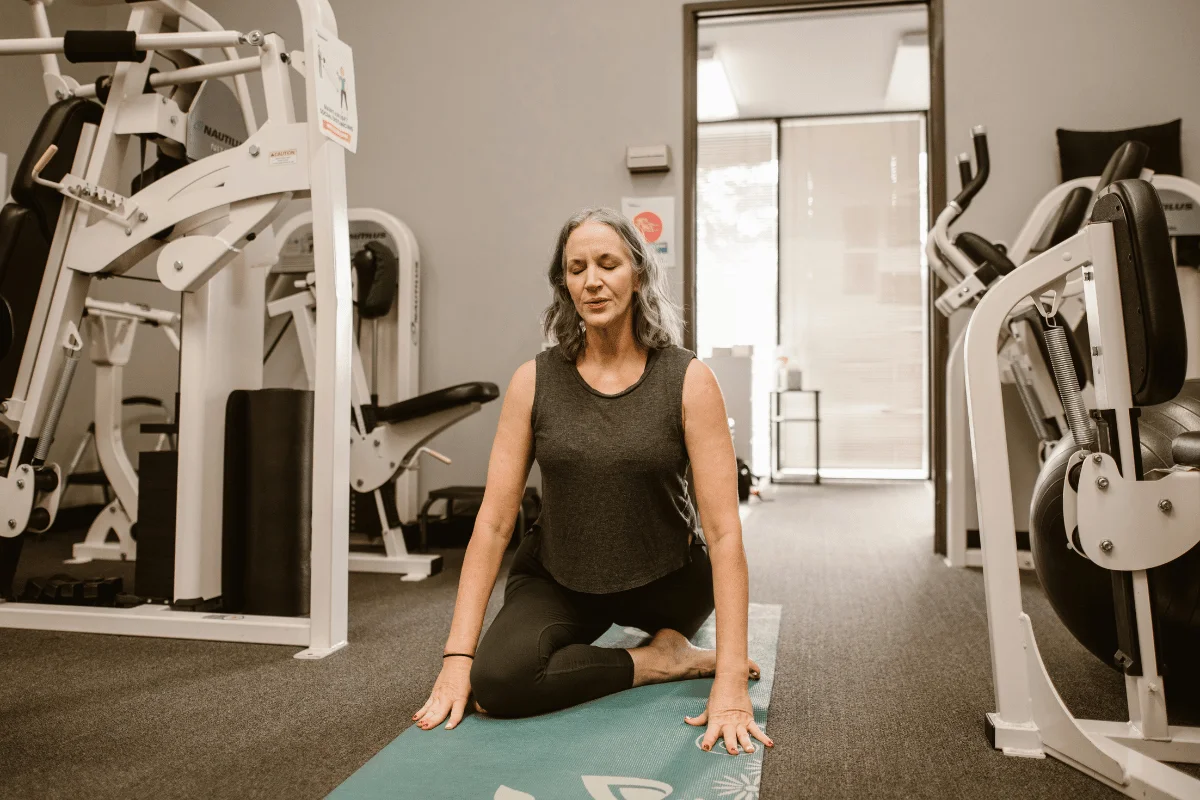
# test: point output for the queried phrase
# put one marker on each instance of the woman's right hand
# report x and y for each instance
(449, 696)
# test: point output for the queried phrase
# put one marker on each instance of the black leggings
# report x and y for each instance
(538, 656)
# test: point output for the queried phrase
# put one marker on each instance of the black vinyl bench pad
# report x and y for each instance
(422, 405)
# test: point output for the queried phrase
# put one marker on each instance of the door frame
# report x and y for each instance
(939, 344)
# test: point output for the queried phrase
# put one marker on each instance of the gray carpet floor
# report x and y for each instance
(883, 678)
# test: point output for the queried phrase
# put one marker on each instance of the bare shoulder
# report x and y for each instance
(699, 381)
(524, 382)
(701, 393)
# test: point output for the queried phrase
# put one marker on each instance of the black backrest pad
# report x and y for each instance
(1083, 153)
(992, 262)
(1066, 220)
(1154, 330)
(27, 225)
(1126, 162)
(23, 253)
(60, 125)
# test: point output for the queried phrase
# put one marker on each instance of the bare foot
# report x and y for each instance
(671, 657)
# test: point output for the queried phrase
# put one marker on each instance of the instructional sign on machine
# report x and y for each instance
(335, 90)
(655, 218)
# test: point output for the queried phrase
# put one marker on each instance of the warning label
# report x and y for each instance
(335, 90)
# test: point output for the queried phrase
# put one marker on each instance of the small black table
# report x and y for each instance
(777, 420)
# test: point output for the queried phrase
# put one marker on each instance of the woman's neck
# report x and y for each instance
(608, 347)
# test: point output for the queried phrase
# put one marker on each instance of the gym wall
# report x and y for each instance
(485, 125)
(1026, 67)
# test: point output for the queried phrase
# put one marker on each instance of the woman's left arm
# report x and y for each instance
(729, 714)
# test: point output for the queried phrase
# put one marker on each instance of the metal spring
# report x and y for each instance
(56, 407)
(1068, 387)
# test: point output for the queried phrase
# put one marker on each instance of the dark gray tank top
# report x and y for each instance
(616, 512)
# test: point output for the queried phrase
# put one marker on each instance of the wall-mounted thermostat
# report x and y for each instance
(648, 158)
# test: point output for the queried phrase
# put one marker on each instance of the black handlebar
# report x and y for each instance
(983, 169)
(964, 170)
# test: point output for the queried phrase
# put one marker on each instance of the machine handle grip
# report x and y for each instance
(964, 170)
(44, 160)
(982, 167)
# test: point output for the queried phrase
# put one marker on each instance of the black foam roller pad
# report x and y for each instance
(10, 554)
(268, 502)
(154, 570)
(90, 47)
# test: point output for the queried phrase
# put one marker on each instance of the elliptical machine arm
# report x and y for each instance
(939, 247)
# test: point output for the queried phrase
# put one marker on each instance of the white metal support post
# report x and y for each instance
(959, 476)
(1013, 720)
(1110, 358)
(331, 428)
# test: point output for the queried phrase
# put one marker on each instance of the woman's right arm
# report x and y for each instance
(508, 470)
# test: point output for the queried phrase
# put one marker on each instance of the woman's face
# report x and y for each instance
(599, 274)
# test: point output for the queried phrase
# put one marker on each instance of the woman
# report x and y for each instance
(613, 413)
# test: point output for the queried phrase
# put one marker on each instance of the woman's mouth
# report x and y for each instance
(595, 304)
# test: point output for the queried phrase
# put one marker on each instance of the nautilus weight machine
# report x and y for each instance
(392, 423)
(205, 222)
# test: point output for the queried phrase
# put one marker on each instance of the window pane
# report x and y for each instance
(737, 180)
(852, 297)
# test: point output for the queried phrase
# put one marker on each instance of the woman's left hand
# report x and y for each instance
(729, 715)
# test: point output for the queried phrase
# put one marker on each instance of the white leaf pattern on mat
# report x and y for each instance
(600, 787)
(740, 787)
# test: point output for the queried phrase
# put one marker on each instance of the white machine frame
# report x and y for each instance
(965, 290)
(389, 449)
(1031, 718)
(221, 208)
(110, 329)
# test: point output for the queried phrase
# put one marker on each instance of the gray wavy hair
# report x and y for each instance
(657, 321)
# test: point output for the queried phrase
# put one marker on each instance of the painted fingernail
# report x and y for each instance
(708, 747)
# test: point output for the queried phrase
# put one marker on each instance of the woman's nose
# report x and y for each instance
(592, 277)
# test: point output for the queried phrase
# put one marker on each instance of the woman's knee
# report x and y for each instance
(501, 686)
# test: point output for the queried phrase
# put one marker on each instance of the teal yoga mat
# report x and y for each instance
(633, 745)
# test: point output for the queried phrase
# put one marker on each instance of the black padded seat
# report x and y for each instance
(991, 260)
(1152, 309)
(1185, 449)
(442, 400)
